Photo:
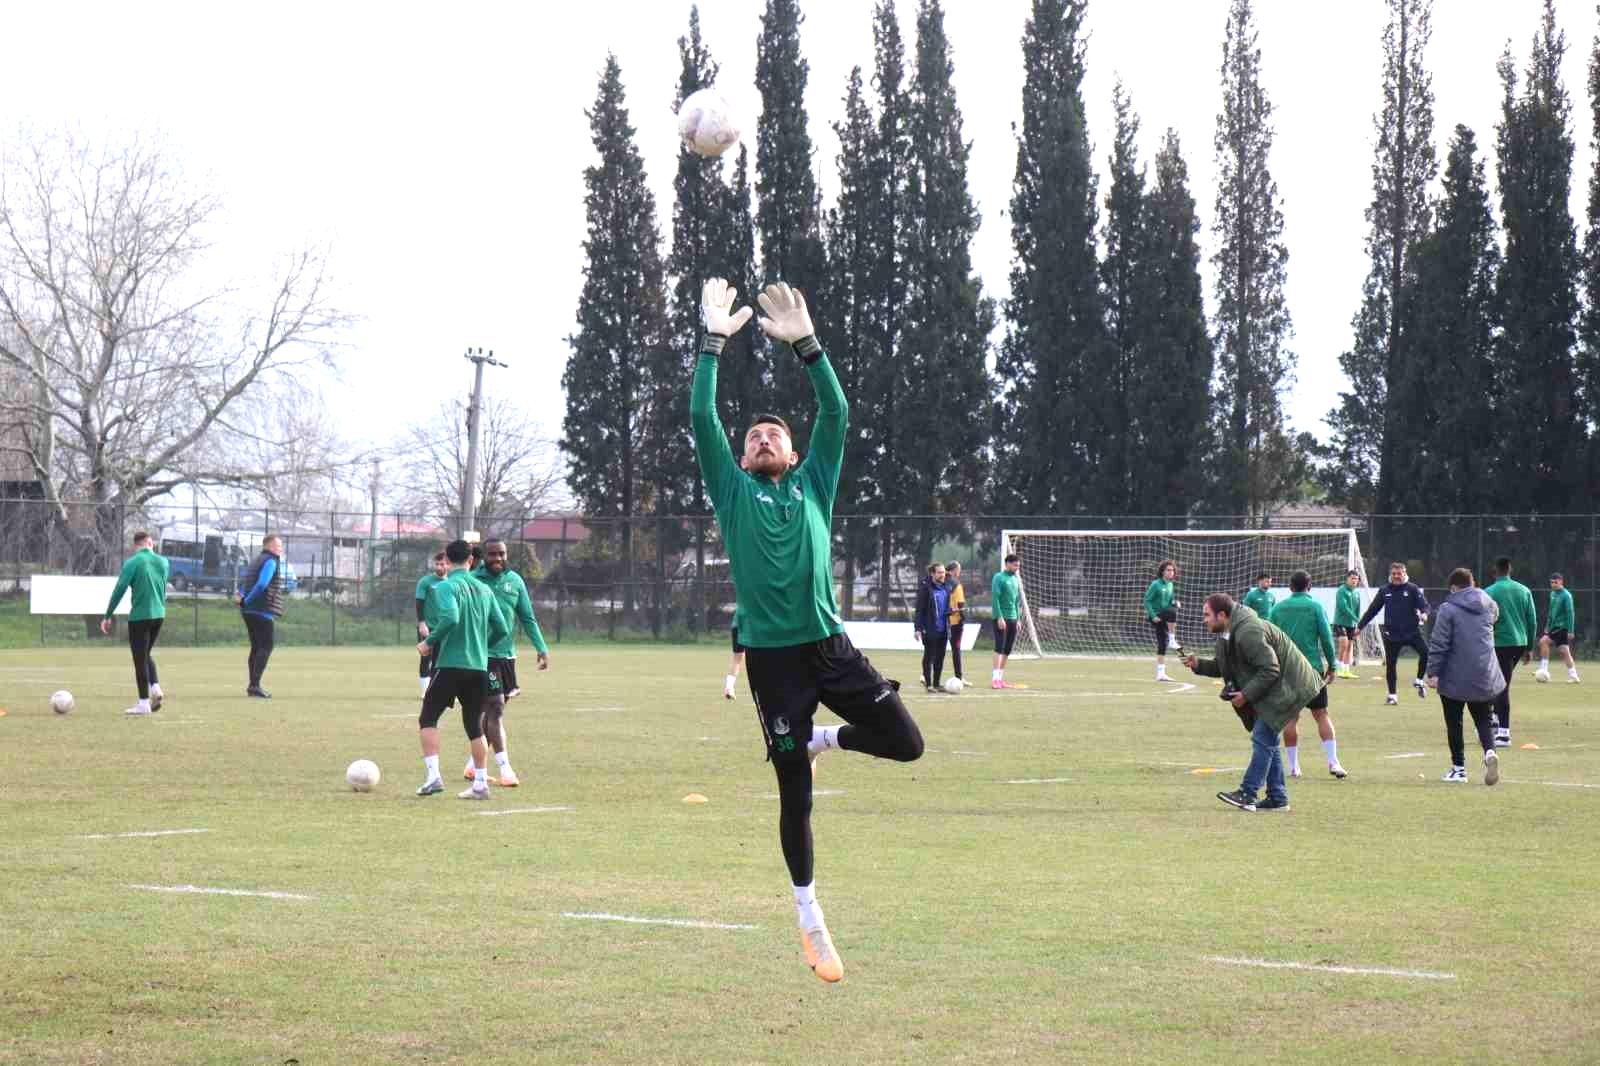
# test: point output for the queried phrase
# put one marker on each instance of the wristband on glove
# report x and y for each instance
(713, 343)
(808, 348)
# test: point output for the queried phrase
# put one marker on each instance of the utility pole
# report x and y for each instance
(469, 487)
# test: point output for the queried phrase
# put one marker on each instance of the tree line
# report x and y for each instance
(1098, 383)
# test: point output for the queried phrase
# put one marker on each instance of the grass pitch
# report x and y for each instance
(1053, 882)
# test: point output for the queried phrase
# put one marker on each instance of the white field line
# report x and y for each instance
(952, 751)
(523, 810)
(220, 891)
(1381, 971)
(146, 833)
(1408, 755)
(177, 721)
(957, 752)
(599, 710)
(1181, 686)
(1037, 781)
(814, 792)
(681, 923)
(1549, 784)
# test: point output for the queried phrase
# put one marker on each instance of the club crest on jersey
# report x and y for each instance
(780, 726)
(764, 498)
(794, 490)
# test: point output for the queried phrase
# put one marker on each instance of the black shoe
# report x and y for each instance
(155, 704)
(1238, 799)
(258, 692)
(1270, 804)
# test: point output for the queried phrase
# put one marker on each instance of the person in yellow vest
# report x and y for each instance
(958, 601)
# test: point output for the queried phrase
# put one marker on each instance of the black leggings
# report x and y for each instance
(1166, 618)
(142, 642)
(1391, 655)
(1452, 726)
(260, 630)
(932, 658)
(1509, 657)
(955, 646)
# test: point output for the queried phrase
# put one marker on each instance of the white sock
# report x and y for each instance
(470, 765)
(480, 777)
(431, 764)
(998, 675)
(422, 685)
(1544, 664)
(823, 738)
(1291, 757)
(1330, 748)
(502, 759)
(728, 683)
(155, 690)
(807, 909)
(144, 705)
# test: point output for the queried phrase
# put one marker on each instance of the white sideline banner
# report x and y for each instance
(68, 594)
(888, 636)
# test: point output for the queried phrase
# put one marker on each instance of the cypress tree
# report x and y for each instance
(1540, 440)
(1125, 276)
(1055, 325)
(948, 319)
(1372, 437)
(1589, 322)
(1171, 392)
(1452, 324)
(788, 212)
(622, 320)
(1257, 465)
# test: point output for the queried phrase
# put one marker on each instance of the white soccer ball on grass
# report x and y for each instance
(954, 685)
(363, 775)
(62, 702)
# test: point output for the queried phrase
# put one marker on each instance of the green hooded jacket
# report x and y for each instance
(1261, 660)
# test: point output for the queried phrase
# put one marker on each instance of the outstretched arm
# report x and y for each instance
(717, 465)
(1372, 610)
(786, 318)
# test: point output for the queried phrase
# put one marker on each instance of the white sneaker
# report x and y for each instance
(1161, 675)
(474, 793)
(1337, 771)
(1491, 767)
(1294, 771)
(1422, 690)
(1541, 676)
(1392, 700)
(1572, 677)
(137, 710)
(1457, 775)
(1502, 738)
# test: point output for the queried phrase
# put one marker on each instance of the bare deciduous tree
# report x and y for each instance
(128, 356)
(520, 470)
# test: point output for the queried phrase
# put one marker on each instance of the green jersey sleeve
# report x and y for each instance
(530, 624)
(124, 579)
(717, 465)
(826, 457)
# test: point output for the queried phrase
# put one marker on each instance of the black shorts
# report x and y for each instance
(450, 684)
(1345, 631)
(502, 676)
(1319, 702)
(788, 683)
(1560, 638)
(1005, 640)
(733, 634)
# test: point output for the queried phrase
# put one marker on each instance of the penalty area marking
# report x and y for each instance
(220, 891)
(681, 923)
(1320, 967)
(145, 833)
(1548, 784)
(523, 810)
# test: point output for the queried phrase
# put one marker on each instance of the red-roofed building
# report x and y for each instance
(549, 538)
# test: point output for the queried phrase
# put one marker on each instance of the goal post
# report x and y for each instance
(1083, 590)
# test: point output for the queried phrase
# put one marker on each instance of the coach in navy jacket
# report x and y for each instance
(1405, 608)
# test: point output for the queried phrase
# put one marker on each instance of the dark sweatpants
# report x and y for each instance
(1453, 727)
(1391, 655)
(932, 658)
(142, 642)
(955, 646)
(1509, 658)
(260, 646)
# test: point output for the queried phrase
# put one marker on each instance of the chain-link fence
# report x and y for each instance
(647, 578)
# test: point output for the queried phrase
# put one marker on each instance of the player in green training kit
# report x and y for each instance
(441, 567)
(464, 621)
(1346, 614)
(145, 573)
(1305, 622)
(1514, 629)
(1559, 630)
(512, 593)
(1005, 599)
(1260, 599)
(1161, 610)
(776, 515)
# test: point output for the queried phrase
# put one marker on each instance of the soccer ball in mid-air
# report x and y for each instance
(363, 775)
(62, 702)
(954, 685)
(706, 125)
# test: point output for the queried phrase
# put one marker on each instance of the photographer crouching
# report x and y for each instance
(1267, 682)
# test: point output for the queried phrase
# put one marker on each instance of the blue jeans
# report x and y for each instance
(1266, 762)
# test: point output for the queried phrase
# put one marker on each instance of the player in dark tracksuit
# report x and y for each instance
(1404, 608)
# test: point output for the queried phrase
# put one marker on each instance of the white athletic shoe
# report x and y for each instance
(1541, 676)
(137, 710)
(1422, 690)
(1294, 771)
(1456, 775)
(1337, 771)
(1161, 675)
(1491, 767)
(1392, 700)
(474, 793)
(1572, 676)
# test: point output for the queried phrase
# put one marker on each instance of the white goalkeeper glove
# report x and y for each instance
(716, 308)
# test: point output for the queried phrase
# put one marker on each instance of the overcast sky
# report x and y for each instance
(439, 151)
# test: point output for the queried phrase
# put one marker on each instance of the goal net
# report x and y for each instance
(1083, 592)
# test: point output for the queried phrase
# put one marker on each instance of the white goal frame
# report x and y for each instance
(1031, 645)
